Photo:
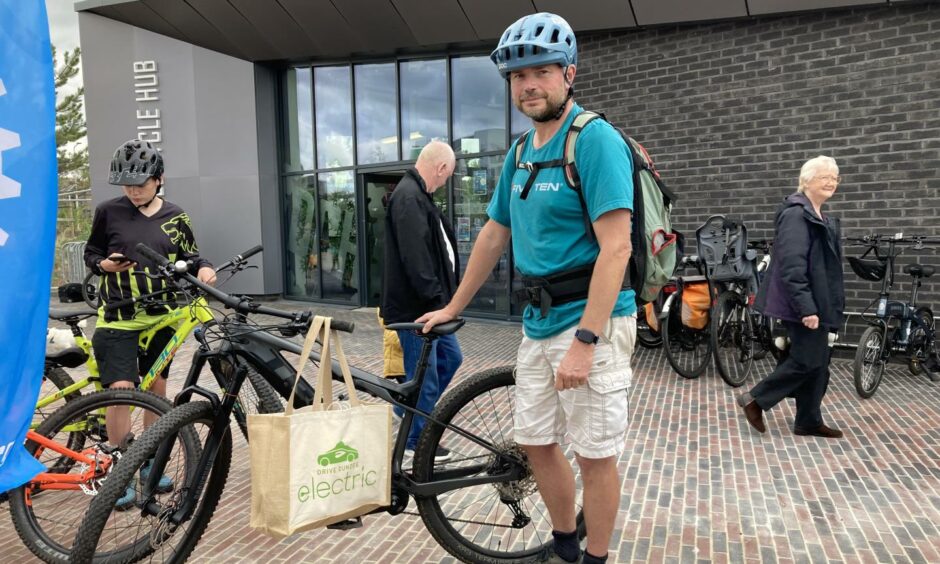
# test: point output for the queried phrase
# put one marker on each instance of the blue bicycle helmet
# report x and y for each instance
(534, 40)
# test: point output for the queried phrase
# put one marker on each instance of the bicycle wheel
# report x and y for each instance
(732, 338)
(688, 350)
(107, 535)
(256, 395)
(54, 380)
(90, 290)
(485, 523)
(869, 365)
(646, 336)
(46, 519)
(921, 343)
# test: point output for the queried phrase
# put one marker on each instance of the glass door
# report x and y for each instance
(376, 188)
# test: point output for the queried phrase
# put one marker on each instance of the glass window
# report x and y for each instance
(479, 106)
(376, 115)
(298, 107)
(423, 87)
(332, 93)
(519, 122)
(303, 276)
(474, 183)
(339, 252)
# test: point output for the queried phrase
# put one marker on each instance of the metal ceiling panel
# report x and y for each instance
(651, 12)
(321, 21)
(236, 29)
(490, 18)
(590, 14)
(436, 23)
(183, 17)
(759, 7)
(140, 15)
(277, 26)
(379, 24)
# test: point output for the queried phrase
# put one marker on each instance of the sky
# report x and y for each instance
(63, 23)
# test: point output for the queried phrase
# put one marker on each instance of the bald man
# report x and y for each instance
(421, 274)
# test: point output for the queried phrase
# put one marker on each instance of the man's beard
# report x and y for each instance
(552, 109)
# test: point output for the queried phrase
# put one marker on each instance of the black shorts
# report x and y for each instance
(116, 354)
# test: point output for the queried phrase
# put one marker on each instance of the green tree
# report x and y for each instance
(74, 217)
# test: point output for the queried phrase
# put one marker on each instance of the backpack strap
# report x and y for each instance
(533, 168)
(571, 168)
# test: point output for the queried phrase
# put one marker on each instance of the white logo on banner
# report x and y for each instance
(9, 188)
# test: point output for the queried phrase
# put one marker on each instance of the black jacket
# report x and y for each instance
(805, 276)
(418, 275)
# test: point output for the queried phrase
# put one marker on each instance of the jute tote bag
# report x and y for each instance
(321, 464)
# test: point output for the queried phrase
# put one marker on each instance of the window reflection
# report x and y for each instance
(376, 118)
(298, 106)
(479, 106)
(339, 253)
(332, 92)
(303, 277)
(519, 123)
(423, 104)
(474, 183)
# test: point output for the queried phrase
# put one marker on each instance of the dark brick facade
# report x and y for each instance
(730, 111)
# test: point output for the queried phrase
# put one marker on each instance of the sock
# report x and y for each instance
(567, 545)
(591, 559)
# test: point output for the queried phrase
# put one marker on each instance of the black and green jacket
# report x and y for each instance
(118, 226)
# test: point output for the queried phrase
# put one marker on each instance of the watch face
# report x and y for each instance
(586, 336)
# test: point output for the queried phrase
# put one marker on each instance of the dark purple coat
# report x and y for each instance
(805, 276)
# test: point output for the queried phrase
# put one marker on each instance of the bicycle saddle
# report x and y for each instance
(72, 357)
(438, 330)
(67, 315)
(920, 270)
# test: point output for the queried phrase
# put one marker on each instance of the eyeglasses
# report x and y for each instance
(833, 179)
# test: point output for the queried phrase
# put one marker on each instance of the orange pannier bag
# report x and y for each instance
(652, 319)
(695, 305)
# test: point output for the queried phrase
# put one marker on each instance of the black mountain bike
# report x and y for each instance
(481, 506)
(687, 344)
(899, 327)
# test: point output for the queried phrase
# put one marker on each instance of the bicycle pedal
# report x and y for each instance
(343, 397)
(347, 524)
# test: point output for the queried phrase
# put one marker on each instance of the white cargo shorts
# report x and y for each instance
(594, 416)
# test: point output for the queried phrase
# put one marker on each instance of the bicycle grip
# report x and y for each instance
(152, 254)
(342, 325)
(250, 252)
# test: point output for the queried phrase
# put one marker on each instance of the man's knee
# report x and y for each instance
(590, 465)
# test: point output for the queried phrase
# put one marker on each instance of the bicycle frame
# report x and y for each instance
(185, 318)
(262, 351)
(59, 481)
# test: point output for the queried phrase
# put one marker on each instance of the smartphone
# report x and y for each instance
(119, 258)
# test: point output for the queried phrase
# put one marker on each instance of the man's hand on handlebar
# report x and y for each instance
(206, 275)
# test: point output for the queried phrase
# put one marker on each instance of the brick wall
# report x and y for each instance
(730, 111)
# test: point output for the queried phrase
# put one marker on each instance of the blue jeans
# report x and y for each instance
(443, 362)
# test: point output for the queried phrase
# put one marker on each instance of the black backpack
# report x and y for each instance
(656, 247)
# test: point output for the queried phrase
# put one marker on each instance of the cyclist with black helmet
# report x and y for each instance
(119, 224)
(573, 366)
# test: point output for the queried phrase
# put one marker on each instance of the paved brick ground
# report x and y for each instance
(699, 485)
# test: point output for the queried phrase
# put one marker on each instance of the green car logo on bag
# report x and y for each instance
(340, 453)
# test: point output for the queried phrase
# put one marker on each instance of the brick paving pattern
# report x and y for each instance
(699, 485)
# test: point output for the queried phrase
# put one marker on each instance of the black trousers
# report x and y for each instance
(804, 376)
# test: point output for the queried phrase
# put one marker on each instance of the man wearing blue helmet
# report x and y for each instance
(573, 366)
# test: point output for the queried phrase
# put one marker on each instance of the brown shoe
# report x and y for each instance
(821, 431)
(752, 412)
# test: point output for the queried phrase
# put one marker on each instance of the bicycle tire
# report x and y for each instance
(646, 336)
(682, 344)
(488, 386)
(91, 291)
(921, 343)
(37, 532)
(179, 420)
(869, 366)
(732, 338)
(255, 396)
(61, 380)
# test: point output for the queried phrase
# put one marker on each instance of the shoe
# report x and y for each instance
(165, 485)
(821, 431)
(128, 500)
(553, 558)
(442, 455)
(752, 412)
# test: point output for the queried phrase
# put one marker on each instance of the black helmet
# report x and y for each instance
(134, 162)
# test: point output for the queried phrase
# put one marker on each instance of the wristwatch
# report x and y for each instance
(585, 336)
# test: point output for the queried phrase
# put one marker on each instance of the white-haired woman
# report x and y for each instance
(804, 289)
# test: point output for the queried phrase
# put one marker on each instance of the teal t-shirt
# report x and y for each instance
(548, 234)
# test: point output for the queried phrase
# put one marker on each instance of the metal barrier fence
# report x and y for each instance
(73, 262)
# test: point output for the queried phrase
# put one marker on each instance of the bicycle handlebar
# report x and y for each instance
(240, 305)
(131, 301)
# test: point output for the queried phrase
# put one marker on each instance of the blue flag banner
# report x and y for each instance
(28, 200)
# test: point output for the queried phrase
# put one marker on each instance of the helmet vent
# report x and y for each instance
(520, 51)
(555, 35)
(538, 30)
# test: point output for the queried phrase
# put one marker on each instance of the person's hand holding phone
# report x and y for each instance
(116, 262)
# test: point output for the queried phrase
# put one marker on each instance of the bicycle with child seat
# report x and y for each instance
(73, 442)
(685, 330)
(481, 506)
(897, 327)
